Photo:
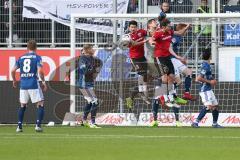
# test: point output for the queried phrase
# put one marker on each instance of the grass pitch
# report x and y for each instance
(119, 143)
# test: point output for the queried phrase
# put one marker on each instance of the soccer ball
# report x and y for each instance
(125, 41)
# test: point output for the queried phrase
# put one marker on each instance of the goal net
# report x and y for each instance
(117, 79)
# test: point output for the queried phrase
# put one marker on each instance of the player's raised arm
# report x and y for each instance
(181, 29)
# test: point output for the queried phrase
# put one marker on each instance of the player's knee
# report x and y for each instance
(178, 80)
(23, 105)
(95, 102)
(41, 103)
(187, 72)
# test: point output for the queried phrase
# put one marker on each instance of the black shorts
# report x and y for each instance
(140, 65)
(165, 65)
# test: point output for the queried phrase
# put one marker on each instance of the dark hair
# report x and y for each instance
(32, 45)
(164, 22)
(132, 22)
(206, 54)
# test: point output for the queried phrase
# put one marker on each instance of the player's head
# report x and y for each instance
(165, 25)
(132, 26)
(206, 55)
(165, 7)
(88, 49)
(204, 2)
(32, 45)
(180, 26)
(152, 25)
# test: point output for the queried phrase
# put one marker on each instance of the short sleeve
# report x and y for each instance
(203, 70)
(39, 62)
(17, 64)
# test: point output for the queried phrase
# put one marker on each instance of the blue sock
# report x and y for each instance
(202, 114)
(155, 107)
(20, 116)
(94, 112)
(176, 113)
(86, 111)
(215, 114)
(40, 115)
(188, 82)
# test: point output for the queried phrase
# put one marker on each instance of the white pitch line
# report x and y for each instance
(58, 136)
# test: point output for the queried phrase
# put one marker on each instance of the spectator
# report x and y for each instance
(205, 37)
(165, 7)
(181, 6)
(16, 38)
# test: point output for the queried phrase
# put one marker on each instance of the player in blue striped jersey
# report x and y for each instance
(89, 67)
(209, 100)
(30, 66)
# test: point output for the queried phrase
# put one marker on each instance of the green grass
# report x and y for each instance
(120, 143)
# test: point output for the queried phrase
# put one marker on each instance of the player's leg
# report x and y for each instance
(215, 111)
(36, 96)
(156, 102)
(24, 98)
(187, 83)
(208, 104)
(87, 107)
(177, 82)
(91, 107)
(140, 66)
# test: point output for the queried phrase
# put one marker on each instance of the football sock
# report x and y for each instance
(201, 114)
(188, 81)
(155, 108)
(215, 114)
(176, 113)
(20, 116)
(86, 111)
(40, 115)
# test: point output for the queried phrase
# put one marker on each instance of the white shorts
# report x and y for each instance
(179, 67)
(208, 98)
(36, 95)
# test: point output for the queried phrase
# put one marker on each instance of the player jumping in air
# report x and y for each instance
(180, 67)
(139, 62)
(89, 67)
(30, 66)
(162, 38)
(208, 98)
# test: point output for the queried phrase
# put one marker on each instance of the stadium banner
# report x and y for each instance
(232, 31)
(168, 119)
(60, 11)
(112, 119)
(54, 63)
(229, 64)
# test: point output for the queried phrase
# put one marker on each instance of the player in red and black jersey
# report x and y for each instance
(163, 53)
(138, 60)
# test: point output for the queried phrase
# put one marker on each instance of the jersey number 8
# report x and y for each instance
(26, 65)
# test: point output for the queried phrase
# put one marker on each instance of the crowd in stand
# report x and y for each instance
(40, 29)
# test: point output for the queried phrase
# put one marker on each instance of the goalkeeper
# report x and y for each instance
(89, 67)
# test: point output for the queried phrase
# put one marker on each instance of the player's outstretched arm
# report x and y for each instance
(136, 43)
(41, 75)
(177, 56)
(182, 31)
(13, 74)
